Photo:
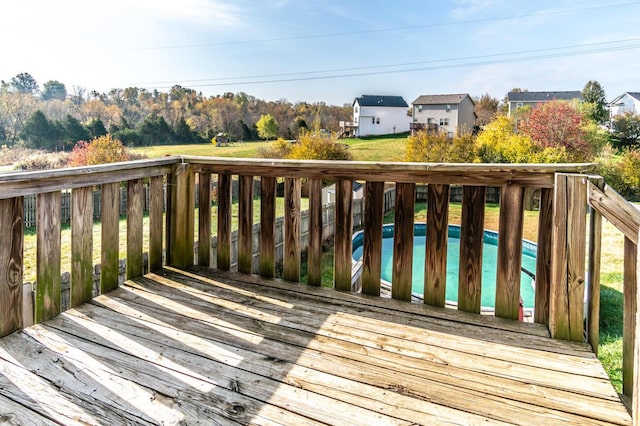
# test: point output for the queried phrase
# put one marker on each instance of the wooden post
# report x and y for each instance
(292, 190)
(630, 314)
(167, 219)
(343, 234)
(267, 227)
(471, 243)
(223, 249)
(372, 250)
(182, 216)
(435, 263)
(401, 278)
(155, 222)
(509, 252)
(245, 225)
(47, 302)
(593, 277)
(566, 307)
(11, 262)
(135, 200)
(543, 257)
(81, 245)
(204, 219)
(635, 387)
(314, 254)
(110, 238)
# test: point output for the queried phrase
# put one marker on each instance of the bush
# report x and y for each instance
(41, 160)
(621, 172)
(437, 147)
(279, 148)
(101, 150)
(499, 142)
(318, 146)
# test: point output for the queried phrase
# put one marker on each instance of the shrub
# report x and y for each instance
(101, 150)
(439, 148)
(41, 160)
(499, 142)
(279, 148)
(317, 146)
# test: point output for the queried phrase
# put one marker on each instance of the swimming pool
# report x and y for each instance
(489, 263)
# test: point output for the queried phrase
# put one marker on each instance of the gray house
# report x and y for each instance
(453, 114)
(522, 99)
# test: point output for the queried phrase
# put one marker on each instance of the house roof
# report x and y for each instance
(381, 101)
(452, 99)
(635, 95)
(544, 96)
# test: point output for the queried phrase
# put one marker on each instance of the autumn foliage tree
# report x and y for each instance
(101, 150)
(429, 146)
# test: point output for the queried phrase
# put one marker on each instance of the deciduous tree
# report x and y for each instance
(437, 147)
(101, 150)
(486, 109)
(267, 127)
(626, 128)
(24, 83)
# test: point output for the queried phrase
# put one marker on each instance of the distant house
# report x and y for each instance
(522, 99)
(453, 114)
(627, 102)
(378, 115)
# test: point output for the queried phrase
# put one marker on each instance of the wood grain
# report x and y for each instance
(109, 240)
(403, 241)
(615, 209)
(630, 307)
(223, 248)
(11, 264)
(156, 212)
(372, 250)
(509, 252)
(204, 219)
(314, 255)
(81, 245)
(471, 243)
(635, 387)
(593, 274)
(135, 203)
(292, 253)
(47, 301)
(343, 234)
(435, 263)
(181, 232)
(267, 227)
(543, 257)
(245, 224)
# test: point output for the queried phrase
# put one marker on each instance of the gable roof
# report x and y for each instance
(452, 99)
(381, 101)
(635, 95)
(544, 96)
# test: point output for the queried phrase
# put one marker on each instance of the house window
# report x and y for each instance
(355, 109)
(373, 120)
(444, 121)
(519, 105)
(448, 108)
(378, 120)
(419, 108)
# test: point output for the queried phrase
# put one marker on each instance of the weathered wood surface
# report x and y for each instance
(47, 300)
(635, 391)
(156, 212)
(343, 234)
(182, 213)
(372, 250)
(110, 236)
(615, 209)
(223, 249)
(630, 282)
(401, 274)
(81, 245)
(268, 227)
(11, 261)
(314, 251)
(222, 348)
(204, 219)
(509, 251)
(435, 262)
(471, 243)
(292, 224)
(245, 224)
(593, 273)
(543, 257)
(135, 203)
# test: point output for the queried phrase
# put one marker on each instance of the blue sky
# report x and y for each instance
(325, 50)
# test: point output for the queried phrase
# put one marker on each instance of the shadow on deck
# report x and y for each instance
(198, 346)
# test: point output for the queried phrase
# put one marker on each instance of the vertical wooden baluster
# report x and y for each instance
(292, 190)
(635, 375)
(267, 226)
(471, 243)
(223, 249)
(135, 200)
(182, 216)
(509, 251)
(48, 257)
(167, 220)
(314, 254)
(543, 257)
(155, 223)
(110, 238)
(372, 249)
(593, 276)
(245, 225)
(81, 245)
(344, 229)
(204, 219)
(629, 310)
(403, 241)
(11, 263)
(435, 264)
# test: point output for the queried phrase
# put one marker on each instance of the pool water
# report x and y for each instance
(489, 263)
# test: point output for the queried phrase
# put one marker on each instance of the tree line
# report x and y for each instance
(55, 118)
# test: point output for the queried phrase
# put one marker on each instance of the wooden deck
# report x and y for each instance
(202, 347)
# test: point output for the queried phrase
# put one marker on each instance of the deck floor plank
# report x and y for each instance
(198, 346)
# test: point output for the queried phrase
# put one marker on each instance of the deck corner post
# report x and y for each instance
(181, 223)
(635, 388)
(11, 262)
(566, 303)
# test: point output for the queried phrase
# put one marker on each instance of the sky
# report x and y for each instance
(325, 50)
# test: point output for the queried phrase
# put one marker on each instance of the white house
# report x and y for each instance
(453, 114)
(627, 102)
(380, 115)
(522, 99)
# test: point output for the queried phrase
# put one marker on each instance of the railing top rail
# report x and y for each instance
(613, 207)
